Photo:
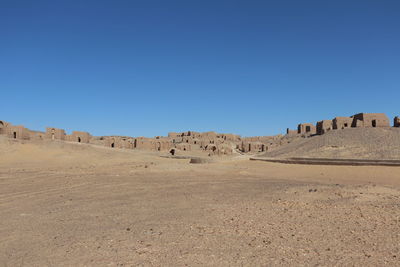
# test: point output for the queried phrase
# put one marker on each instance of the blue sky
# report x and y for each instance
(143, 68)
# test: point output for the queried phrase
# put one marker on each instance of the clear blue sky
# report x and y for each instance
(143, 68)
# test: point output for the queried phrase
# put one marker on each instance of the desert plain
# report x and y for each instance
(65, 204)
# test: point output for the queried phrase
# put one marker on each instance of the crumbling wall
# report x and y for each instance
(306, 128)
(324, 126)
(55, 134)
(80, 137)
(252, 147)
(370, 120)
(37, 135)
(396, 122)
(3, 127)
(18, 132)
(291, 132)
(342, 122)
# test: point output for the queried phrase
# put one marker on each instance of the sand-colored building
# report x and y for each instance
(55, 134)
(119, 142)
(230, 137)
(291, 132)
(324, 126)
(37, 135)
(174, 134)
(80, 137)
(342, 122)
(306, 128)
(396, 122)
(184, 147)
(252, 147)
(4, 126)
(211, 142)
(370, 120)
(18, 132)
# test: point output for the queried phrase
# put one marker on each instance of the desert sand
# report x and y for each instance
(65, 204)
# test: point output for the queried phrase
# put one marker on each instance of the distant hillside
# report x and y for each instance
(366, 143)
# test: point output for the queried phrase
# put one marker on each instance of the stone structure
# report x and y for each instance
(37, 135)
(3, 127)
(18, 132)
(357, 120)
(210, 142)
(324, 126)
(119, 142)
(80, 137)
(291, 132)
(396, 122)
(222, 149)
(370, 120)
(173, 135)
(253, 147)
(306, 128)
(55, 134)
(184, 147)
(144, 143)
(342, 122)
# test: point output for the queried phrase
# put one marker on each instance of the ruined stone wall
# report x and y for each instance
(370, 120)
(342, 122)
(3, 127)
(230, 137)
(80, 137)
(18, 132)
(306, 128)
(252, 147)
(291, 132)
(55, 134)
(160, 144)
(119, 142)
(174, 134)
(324, 126)
(36, 135)
(184, 147)
(396, 122)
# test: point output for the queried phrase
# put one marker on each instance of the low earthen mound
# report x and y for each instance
(363, 143)
(200, 160)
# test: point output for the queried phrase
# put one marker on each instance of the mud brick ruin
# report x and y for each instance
(211, 143)
(396, 122)
(306, 128)
(360, 120)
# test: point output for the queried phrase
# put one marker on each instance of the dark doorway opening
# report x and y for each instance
(15, 135)
(373, 123)
(112, 145)
(79, 139)
(172, 151)
(308, 129)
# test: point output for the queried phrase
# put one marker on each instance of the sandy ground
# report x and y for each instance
(77, 205)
